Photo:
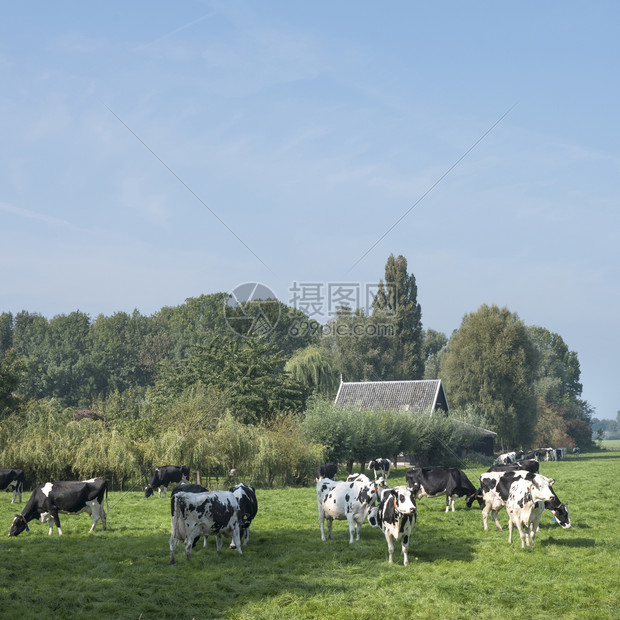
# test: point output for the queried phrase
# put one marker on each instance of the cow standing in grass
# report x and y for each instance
(12, 480)
(72, 497)
(525, 506)
(214, 513)
(248, 508)
(345, 500)
(395, 515)
(165, 475)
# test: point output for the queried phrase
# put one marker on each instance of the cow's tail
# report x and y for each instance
(177, 523)
(107, 503)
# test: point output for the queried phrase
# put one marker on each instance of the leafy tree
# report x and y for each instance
(362, 347)
(6, 332)
(397, 296)
(558, 372)
(250, 374)
(313, 368)
(491, 364)
(435, 344)
(12, 376)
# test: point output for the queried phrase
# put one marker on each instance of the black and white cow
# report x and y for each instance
(248, 508)
(345, 500)
(213, 513)
(329, 470)
(436, 481)
(165, 475)
(50, 499)
(504, 459)
(12, 480)
(525, 506)
(495, 487)
(381, 467)
(526, 465)
(396, 515)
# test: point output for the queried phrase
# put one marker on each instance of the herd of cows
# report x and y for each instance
(515, 484)
(196, 511)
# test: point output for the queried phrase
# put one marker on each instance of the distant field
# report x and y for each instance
(457, 570)
(611, 444)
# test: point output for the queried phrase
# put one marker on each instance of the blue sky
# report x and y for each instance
(310, 129)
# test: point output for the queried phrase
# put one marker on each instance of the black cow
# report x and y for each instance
(248, 507)
(12, 480)
(528, 465)
(381, 467)
(329, 470)
(73, 497)
(436, 481)
(164, 475)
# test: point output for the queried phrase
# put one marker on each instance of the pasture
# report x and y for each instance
(457, 570)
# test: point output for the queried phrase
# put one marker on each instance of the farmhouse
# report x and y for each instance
(426, 396)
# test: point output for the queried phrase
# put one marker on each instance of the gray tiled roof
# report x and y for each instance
(418, 396)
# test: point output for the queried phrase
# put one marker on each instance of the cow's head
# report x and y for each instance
(19, 525)
(148, 490)
(560, 515)
(542, 493)
(404, 500)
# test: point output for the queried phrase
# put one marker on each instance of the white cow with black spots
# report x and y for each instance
(395, 515)
(525, 506)
(345, 500)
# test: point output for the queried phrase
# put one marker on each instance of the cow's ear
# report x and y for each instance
(393, 492)
(551, 481)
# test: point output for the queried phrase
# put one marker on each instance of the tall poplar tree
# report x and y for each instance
(397, 297)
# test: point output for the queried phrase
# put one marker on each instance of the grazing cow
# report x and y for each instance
(525, 505)
(395, 515)
(12, 480)
(329, 470)
(576, 451)
(50, 499)
(436, 481)
(345, 500)
(164, 475)
(248, 507)
(212, 513)
(381, 467)
(504, 459)
(495, 487)
(527, 465)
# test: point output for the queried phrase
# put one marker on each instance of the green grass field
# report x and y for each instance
(457, 570)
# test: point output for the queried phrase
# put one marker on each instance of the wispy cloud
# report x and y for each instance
(34, 215)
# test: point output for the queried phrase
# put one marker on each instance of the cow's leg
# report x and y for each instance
(485, 515)
(390, 544)
(358, 528)
(405, 549)
(236, 538)
(454, 498)
(352, 528)
(496, 519)
(330, 522)
(510, 526)
(188, 547)
(447, 502)
(218, 542)
(165, 491)
(321, 520)
(173, 546)
(204, 544)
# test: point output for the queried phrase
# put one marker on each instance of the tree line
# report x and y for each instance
(181, 379)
